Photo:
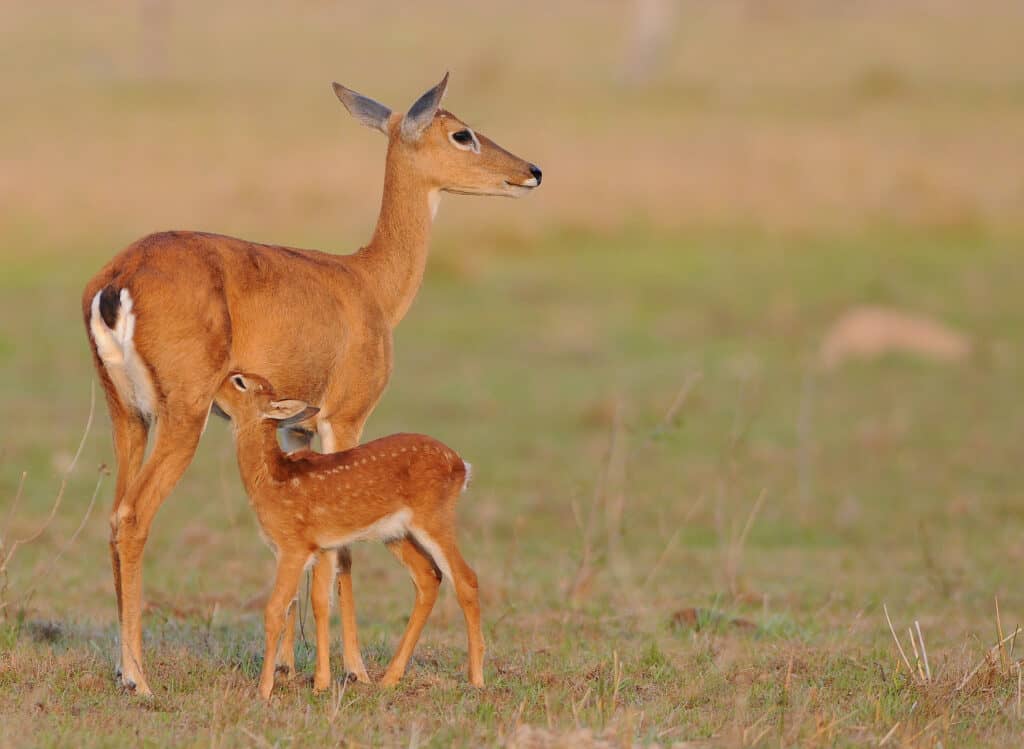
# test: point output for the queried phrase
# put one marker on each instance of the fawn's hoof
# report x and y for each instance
(284, 671)
(360, 676)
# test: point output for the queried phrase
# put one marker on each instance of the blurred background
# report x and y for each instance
(754, 346)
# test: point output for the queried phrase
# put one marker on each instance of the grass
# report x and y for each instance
(523, 368)
(684, 530)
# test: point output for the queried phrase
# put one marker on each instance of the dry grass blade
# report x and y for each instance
(990, 653)
(917, 655)
(680, 399)
(1018, 691)
(14, 503)
(670, 546)
(615, 493)
(899, 646)
(58, 500)
(750, 518)
(71, 541)
(1004, 660)
(4, 578)
(63, 485)
(735, 553)
(924, 652)
(889, 735)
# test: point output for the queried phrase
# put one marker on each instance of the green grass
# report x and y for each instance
(909, 495)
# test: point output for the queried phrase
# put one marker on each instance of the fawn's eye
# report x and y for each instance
(238, 382)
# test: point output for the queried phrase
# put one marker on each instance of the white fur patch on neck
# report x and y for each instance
(434, 201)
(328, 444)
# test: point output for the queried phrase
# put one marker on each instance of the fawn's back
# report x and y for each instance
(378, 490)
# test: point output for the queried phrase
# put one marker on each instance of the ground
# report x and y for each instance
(684, 527)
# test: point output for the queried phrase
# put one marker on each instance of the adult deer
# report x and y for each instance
(174, 312)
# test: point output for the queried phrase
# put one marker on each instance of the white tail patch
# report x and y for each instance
(116, 349)
(431, 547)
(469, 474)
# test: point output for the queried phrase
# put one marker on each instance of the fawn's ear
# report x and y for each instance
(289, 412)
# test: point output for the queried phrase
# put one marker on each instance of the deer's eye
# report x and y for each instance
(462, 137)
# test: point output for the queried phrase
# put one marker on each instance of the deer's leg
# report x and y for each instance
(177, 435)
(130, 435)
(323, 576)
(286, 583)
(438, 540)
(427, 579)
(334, 436)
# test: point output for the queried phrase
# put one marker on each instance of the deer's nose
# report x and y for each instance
(536, 172)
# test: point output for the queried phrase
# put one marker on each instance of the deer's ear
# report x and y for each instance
(367, 111)
(422, 112)
(289, 412)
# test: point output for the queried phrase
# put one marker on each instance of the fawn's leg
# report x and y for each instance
(351, 654)
(342, 434)
(323, 576)
(286, 584)
(292, 440)
(439, 541)
(427, 580)
(284, 659)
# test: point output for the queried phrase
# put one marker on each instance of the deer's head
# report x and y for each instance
(442, 150)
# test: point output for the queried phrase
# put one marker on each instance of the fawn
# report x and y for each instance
(396, 488)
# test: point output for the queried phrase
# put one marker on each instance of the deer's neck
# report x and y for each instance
(396, 257)
(258, 453)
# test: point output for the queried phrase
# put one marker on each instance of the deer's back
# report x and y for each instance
(239, 305)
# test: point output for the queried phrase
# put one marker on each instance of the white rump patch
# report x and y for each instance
(431, 547)
(388, 528)
(116, 348)
(469, 474)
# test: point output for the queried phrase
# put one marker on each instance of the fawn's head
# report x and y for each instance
(442, 149)
(249, 398)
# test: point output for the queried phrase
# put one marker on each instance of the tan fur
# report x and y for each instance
(393, 489)
(318, 325)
